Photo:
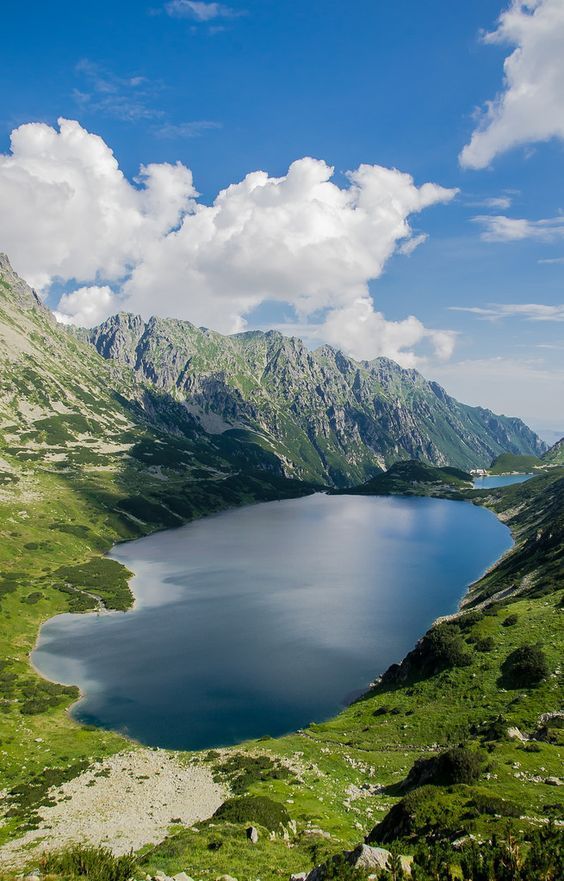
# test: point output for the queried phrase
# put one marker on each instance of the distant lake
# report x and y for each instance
(261, 619)
(501, 480)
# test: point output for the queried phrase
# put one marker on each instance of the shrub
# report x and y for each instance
(493, 806)
(510, 621)
(493, 729)
(254, 809)
(484, 644)
(420, 813)
(525, 667)
(94, 863)
(242, 771)
(442, 648)
(457, 765)
(338, 869)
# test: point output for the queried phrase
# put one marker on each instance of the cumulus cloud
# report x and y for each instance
(69, 212)
(356, 328)
(499, 228)
(530, 106)
(87, 306)
(300, 239)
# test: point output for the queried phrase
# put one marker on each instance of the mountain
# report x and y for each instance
(70, 418)
(555, 455)
(327, 417)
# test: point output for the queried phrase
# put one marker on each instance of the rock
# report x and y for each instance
(182, 876)
(298, 876)
(366, 857)
(553, 781)
(318, 832)
(252, 834)
(362, 857)
(225, 878)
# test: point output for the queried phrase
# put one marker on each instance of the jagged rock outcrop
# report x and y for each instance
(326, 416)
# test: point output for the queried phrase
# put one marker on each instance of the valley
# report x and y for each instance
(93, 452)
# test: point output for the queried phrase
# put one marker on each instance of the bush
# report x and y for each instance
(457, 765)
(510, 621)
(493, 729)
(442, 648)
(420, 813)
(258, 809)
(242, 770)
(338, 869)
(485, 644)
(494, 806)
(94, 863)
(526, 667)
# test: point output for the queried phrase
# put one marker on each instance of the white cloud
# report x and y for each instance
(200, 10)
(69, 212)
(529, 311)
(499, 228)
(408, 247)
(525, 388)
(552, 261)
(129, 98)
(186, 130)
(362, 333)
(87, 306)
(530, 108)
(501, 202)
(300, 239)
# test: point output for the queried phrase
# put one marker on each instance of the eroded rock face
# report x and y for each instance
(326, 416)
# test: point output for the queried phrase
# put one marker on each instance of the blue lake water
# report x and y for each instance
(500, 480)
(262, 619)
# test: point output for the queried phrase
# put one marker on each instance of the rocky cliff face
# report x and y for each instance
(326, 416)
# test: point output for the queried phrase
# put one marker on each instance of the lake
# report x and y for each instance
(261, 619)
(500, 480)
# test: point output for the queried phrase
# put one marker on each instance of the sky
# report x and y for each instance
(383, 177)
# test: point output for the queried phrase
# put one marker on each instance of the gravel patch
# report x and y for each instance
(123, 803)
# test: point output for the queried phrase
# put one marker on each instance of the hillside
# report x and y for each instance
(327, 417)
(415, 478)
(555, 455)
(508, 463)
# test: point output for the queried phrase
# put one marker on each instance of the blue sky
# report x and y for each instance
(229, 89)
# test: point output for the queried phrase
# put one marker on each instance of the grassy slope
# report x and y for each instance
(508, 463)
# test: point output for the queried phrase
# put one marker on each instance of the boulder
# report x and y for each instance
(182, 876)
(362, 857)
(252, 834)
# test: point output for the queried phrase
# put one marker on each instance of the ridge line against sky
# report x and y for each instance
(458, 276)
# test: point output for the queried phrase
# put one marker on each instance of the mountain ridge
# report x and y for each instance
(327, 416)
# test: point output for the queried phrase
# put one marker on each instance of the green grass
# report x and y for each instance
(508, 463)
